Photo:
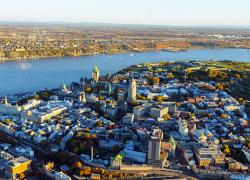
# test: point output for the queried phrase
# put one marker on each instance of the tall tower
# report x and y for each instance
(132, 90)
(95, 74)
(81, 97)
(82, 82)
(92, 153)
(6, 101)
(154, 146)
(185, 77)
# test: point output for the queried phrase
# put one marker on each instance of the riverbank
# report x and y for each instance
(114, 53)
(91, 54)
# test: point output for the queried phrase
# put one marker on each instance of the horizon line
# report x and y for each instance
(10, 22)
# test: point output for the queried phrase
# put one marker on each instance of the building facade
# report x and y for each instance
(132, 90)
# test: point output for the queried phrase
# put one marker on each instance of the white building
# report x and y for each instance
(132, 90)
(31, 104)
(9, 109)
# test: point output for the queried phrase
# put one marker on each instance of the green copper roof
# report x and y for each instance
(171, 140)
(96, 69)
(119, 156)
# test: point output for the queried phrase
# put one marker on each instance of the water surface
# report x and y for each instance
(31, 75)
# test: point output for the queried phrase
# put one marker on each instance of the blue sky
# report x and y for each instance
(165, 12)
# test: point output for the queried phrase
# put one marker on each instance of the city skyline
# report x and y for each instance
(159, 12)
(134, 89)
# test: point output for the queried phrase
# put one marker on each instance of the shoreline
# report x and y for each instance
(81, 55)
(121, 52)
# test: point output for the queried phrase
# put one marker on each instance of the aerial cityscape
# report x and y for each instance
(110, 90)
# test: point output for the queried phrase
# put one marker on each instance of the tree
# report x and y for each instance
(101, 98)
(22, 176)
(244, 76)
(81, 146)
(99, 171)
(79, 134)
(223, 116)
(242, 101)
(237, 76)
(134, 103)
(141, 97)
(248, 143)
(88, 90)
(226, 149)
(77, 164)
(212, 73)
(154, 80)
(108, 102)
(161, 98)
(99, 123)
(76, 150)
(87, 130)
(220, 86)
(170, 75)
(166, 117)
(85, 172)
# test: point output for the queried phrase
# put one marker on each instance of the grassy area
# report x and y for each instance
(237, 66)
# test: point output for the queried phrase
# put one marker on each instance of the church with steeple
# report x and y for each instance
(7, 108)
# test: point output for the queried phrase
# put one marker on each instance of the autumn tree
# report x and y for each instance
(220, 86)
(77, 164)
(22, 176)
(170, 75)
(237, 76)
(226, 149)
(85, 172)
(223, 116)
(161, 98)
(134, 103)
(140, 97)
(88, 90)
(154, 80)
(166, 117)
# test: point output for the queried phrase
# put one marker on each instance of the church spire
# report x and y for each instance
(64, 87)
(6, 101)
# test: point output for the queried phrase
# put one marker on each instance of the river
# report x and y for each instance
(32, 75)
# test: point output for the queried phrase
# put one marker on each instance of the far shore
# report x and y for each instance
(120, 52)
(90, 54)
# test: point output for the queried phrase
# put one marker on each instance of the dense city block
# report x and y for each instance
(166, 120)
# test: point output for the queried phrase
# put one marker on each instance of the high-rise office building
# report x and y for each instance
(154, 145)
(95, 74)
(132, 90)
